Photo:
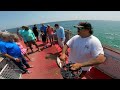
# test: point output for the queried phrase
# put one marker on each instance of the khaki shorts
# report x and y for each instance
(61, 43)
(31, 42)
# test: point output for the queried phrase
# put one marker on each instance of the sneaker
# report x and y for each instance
(38, 40)
(51, 44)
(30, 67)
(30, 60)
(32, 51)
(28, 72)
(39, 50)
(45, 47)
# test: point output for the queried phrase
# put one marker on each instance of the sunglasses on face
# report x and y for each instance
(81, 28)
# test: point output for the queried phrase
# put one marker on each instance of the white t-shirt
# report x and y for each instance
(84, 49)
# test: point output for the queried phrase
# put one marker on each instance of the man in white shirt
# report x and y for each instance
(85, 49)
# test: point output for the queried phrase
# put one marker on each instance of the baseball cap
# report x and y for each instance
(85, 25)
(48, 24)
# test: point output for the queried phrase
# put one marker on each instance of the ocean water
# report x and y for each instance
(108, 32)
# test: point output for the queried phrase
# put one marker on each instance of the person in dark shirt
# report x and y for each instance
(43, 36)
(44, 29)
(36, 32)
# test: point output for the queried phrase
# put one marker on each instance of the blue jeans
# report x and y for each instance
(22, 63)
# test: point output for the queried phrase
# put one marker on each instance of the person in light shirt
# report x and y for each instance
(85, 49)
(60, 35)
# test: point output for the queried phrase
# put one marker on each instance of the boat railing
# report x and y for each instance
(8, 70)
(111, 49)
(68, 35)
(111, 66)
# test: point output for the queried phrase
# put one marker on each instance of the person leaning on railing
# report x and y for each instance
(12, 51)
(85, 49)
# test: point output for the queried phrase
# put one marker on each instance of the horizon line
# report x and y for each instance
(64, 20)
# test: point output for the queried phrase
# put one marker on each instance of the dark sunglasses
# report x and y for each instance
(81, 28)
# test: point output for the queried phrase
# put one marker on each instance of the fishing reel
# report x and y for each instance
(67, 73)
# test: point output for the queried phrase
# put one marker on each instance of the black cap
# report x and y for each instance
(84, 25)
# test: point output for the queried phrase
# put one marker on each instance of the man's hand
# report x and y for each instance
(63, 57)
(76, 66)
(17, 60)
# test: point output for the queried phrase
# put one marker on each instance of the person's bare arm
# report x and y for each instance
(10, 57)
(63, 56)
(98, 60)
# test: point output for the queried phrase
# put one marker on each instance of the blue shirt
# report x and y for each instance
(43, 28)
(1, 44)
(10, 48)
(60, 32)
(0, 39)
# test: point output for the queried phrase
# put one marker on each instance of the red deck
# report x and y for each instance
(43, 68)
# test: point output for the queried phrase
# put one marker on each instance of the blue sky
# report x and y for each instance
(12, 19)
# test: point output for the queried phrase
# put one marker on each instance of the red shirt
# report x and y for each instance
(50, 30)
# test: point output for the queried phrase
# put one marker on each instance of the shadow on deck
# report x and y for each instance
(44, 64)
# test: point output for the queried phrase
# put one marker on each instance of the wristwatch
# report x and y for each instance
(15, 59)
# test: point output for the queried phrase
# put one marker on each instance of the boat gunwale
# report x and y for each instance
(111, 49)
